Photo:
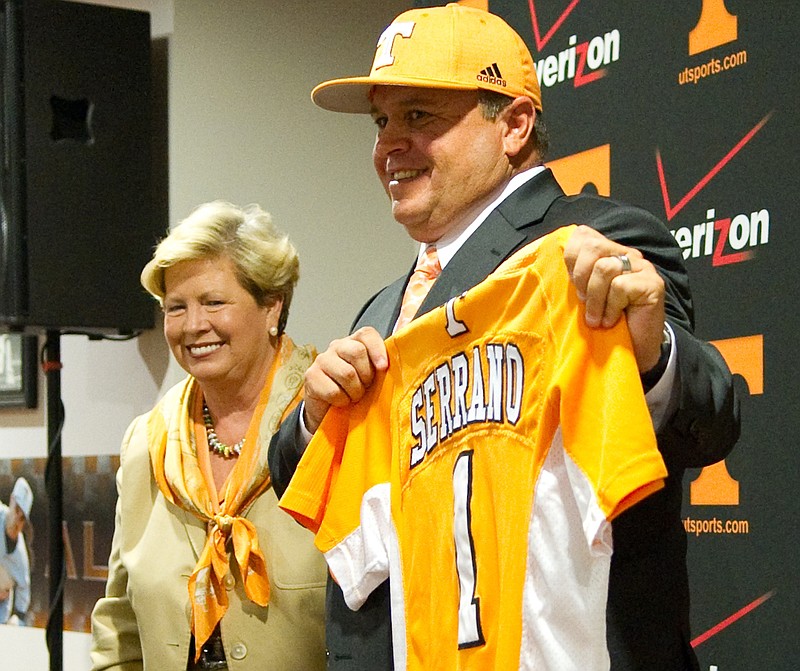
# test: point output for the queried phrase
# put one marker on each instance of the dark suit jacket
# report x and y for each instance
(648, 602)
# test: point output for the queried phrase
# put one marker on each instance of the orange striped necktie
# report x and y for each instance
(424, 275)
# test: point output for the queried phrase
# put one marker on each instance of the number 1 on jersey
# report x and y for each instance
(469, 611)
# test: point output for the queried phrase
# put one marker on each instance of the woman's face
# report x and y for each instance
(214, 327)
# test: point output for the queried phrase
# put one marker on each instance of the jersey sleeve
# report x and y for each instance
(606, 425)
(341, 492)
(306, 498)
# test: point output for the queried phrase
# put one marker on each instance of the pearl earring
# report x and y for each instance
(273, 331)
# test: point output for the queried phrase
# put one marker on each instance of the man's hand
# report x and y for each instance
(342, 373)
(608, 290)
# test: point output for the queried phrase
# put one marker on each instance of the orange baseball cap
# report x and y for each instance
(451, 47)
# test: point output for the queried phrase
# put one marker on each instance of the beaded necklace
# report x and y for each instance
(215, 443)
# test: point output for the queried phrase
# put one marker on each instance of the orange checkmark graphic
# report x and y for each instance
(672, 210)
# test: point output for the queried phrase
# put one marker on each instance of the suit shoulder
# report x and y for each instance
(589, 203)
(620, 221)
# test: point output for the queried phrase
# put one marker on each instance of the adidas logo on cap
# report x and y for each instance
(491, 75)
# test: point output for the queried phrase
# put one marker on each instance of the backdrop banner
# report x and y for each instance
(689, 109)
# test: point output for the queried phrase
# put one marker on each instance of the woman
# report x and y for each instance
(205, 571)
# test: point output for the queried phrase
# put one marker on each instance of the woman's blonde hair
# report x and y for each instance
(266, 261)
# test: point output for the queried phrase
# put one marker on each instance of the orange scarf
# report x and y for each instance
(174, 434)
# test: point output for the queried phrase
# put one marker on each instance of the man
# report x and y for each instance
(15, 570)
(459, 153)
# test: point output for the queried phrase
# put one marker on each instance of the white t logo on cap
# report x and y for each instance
(383, 54)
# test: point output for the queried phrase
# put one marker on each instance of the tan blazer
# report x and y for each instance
(142, 623)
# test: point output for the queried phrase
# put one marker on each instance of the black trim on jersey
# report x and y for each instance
(476, 600)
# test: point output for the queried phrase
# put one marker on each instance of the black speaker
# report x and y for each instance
(76, 217)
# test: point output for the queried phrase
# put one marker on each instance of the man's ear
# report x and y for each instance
(518, 118)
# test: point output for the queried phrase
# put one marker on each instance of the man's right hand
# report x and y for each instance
(342, 374)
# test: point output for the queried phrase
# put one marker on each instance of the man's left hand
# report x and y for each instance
(608, 288)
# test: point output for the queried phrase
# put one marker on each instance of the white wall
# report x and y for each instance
(241, 127)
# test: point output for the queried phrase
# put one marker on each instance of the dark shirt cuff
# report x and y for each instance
(651, 377)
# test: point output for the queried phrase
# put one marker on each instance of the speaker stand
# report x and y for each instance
(51, 364)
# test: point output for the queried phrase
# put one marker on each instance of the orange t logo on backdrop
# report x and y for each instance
(744, 356)
(590, 168)
(716, 26)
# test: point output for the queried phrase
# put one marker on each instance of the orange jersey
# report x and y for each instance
(480, 474)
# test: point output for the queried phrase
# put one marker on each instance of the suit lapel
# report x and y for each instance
(512, 224)
(384, 308)
(195, 532)
(528, 205)
(480, 255)
(509, 226)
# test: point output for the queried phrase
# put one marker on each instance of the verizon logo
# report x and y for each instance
(581, 63)
(726, 240)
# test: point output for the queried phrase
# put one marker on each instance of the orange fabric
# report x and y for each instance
(177, 440)
(444, 476)
(424, 275)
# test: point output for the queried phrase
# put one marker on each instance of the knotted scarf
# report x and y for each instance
(175, 432)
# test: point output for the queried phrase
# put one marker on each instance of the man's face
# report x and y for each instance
(436, 156)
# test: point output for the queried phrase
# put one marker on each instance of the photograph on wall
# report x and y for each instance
(17, 370)
(89, 493)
